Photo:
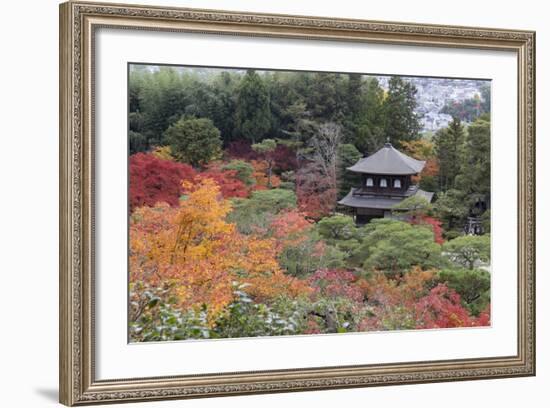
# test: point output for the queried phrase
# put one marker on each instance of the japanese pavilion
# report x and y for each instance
(386, 180)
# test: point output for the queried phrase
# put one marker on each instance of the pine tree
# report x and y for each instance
(253, 114)
(354, 92)
(326, 98)
(370, 127)
(402, 123)
(474, 178)
(449, 144)
(348, 155)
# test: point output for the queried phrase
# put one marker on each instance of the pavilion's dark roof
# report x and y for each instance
(388, 160)
(379, 202)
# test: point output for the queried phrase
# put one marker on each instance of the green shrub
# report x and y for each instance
(473, 286)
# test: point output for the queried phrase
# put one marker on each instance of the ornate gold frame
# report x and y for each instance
(78, 21)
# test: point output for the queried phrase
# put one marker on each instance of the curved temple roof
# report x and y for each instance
(388, 160)
(380, 202)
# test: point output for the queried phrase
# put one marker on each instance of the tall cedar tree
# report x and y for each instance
(448, 147)
(475, 173)
(354, 93)
(224, 103)
(348, 155)
(282, 95)
(253, 114)
(402, 123)
(326, 97)
(370, 135)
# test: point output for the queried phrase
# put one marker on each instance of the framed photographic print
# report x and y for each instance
(259, 203)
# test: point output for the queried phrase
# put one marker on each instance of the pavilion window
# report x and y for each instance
(383, 183)
(397, 183)
(370, 182)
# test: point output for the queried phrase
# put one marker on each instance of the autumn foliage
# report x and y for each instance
(227, 180)
(241, 149)
(412, 303)
(192, 248)
(284, 157)
(316, 193)
(235, 226)
(336, 283)
(260, 176)
(154, 180)
(422, 150)
(205, 246)
(434, 224)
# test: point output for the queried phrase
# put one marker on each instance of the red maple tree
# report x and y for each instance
(227, 180)
(241, 149)
(154, 180)
(434, 223)
(284, 159)
(316, 193)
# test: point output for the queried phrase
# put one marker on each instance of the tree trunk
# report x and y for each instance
(269, 171)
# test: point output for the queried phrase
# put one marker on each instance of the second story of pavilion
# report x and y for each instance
(388, 172)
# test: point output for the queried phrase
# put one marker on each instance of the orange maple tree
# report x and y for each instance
(194, 250)
(260, 176)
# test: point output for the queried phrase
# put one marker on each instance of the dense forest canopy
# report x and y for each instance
(235, 229)
(255, 105)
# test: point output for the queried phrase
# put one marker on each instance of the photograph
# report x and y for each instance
(270, 201)
(278, 203)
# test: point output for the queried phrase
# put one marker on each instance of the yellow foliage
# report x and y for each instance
(260, 175)
(409, 287)
(163, 152)
(193, 248)
(421, 149)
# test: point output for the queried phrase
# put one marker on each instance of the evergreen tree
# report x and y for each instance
(473, 286)
(354, 92)
(253, 114)
(474, 178)
(448, 147)
(194, 141)
(348, 155)
(486, 98)
(394, 247)
(164, 98)
(225, 86)
(369, 135)
(137, 142)
(402, 123)
(326, 97)
(468, 251)
(283, 96)
(451, 208)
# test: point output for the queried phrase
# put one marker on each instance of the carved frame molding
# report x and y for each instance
(78, 22)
